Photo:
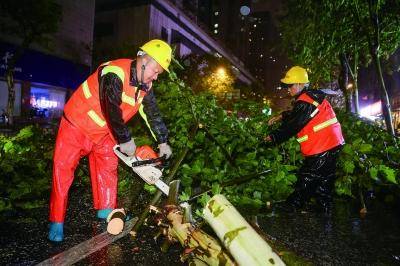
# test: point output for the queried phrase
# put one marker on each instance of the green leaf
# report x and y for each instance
(373, 172)
(348, 167)
(150, 188)
(365, 148)
(184, 196)
(8, 146)
(204, 199)
(280, 176)
(216, 189)
(257, 195)
(389, 173)
(25, 133)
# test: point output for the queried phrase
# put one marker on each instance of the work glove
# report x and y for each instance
(164, 149)
(128, 148)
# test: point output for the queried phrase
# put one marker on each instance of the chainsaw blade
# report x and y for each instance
(149, 173)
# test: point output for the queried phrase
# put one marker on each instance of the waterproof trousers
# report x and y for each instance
(71, 146)
(316, 178)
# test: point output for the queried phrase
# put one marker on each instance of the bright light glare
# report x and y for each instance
(370, 111)
(42, 102)
(221, 72)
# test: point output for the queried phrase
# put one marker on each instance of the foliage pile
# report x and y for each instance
(226, 146)
(25, 163)
(369, 160)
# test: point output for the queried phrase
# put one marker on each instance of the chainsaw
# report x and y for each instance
(145, 164)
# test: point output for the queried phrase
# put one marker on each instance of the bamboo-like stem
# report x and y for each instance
(200, 248)
(242, 241)
(173, 192)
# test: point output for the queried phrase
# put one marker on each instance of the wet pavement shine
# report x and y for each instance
(342, 239)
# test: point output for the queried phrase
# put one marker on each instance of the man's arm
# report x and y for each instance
(151, 114)
(293, 122)
(110, 93)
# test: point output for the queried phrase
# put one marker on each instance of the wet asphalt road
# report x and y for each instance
(343, 239)
(23, 238)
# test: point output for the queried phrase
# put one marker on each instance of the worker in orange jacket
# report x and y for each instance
(95, 120)
(319, 133)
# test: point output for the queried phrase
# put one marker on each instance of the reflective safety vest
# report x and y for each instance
(323, 132)
(83, 108)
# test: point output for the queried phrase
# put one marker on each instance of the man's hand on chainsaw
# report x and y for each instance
(128, 148)
(165, 149)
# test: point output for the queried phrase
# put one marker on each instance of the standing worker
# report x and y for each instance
(94, 121)
(319, 133)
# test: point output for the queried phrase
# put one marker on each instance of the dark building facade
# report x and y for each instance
(126, 25)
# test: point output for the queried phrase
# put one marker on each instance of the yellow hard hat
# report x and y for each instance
(159, 51)
(295, 75)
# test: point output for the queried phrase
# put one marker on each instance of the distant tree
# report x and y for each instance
(207, 73)
(333, 38)
(31, 21)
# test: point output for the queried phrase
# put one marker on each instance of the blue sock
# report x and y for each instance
(56, 232)
(103, 213)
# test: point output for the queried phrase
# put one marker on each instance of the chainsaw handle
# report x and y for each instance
(125, 158)
(134, 161)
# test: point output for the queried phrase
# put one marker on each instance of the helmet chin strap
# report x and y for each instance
(142, 85)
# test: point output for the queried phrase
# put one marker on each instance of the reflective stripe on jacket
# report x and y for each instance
(323, 132)
(84, 110)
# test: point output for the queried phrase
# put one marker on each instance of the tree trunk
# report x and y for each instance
(343, 82)
(10, 76)
(11, 95)
(386, 109)
(354, 75)
(356, 100)
(355, 80)
(200, 248)
(374, 46)
(244, 244)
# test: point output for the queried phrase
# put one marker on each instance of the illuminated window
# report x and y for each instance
(216, 31)
(216, 13)
(216, 25)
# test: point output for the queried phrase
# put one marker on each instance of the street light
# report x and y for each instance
(221, 73)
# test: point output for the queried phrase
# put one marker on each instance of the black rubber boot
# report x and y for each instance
(323, 193)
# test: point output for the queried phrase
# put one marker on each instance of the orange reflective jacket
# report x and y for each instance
(83, 108)
(323, 132)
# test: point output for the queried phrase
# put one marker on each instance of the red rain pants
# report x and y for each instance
(71, 146)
